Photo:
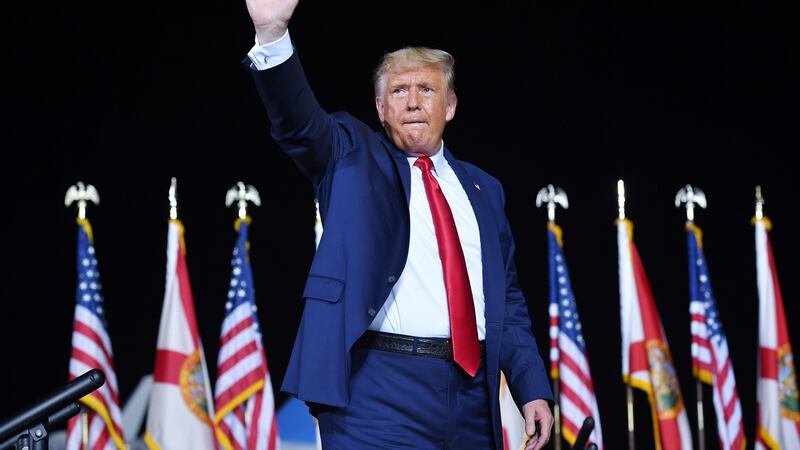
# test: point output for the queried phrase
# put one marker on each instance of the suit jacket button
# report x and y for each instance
(371, 312)
(391, 279)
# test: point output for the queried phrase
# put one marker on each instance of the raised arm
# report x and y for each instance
(302, 129)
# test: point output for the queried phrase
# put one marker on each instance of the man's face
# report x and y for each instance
(414, 108)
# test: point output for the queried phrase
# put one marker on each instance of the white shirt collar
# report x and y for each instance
(437, 159)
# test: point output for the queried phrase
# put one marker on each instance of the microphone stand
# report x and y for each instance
(29, 429)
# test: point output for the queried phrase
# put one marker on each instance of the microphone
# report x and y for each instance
(61, 416)
(583, 434)
(54, 408)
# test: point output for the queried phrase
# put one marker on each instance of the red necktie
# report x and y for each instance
(463, 330)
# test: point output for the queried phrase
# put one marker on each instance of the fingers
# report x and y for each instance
(530, 425)
(530, 444)
(543, 440)
(530, 431)
(545, 420)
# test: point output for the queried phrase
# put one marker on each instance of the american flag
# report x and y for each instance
(701, 345)
(710, 357)
(569, 362)
(91, 349)
(243, 394)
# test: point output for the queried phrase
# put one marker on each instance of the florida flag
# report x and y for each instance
(514, 436)
(646, 359)
(778, 419)
(180, 411)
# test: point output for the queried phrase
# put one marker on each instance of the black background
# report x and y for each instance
(124, 95)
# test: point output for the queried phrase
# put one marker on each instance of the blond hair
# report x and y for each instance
(413, 57)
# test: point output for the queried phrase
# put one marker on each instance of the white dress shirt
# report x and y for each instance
(417, 304)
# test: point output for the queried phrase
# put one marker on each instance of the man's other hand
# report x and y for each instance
(537, 412)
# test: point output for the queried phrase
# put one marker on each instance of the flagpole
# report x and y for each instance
(178, 329)
(690, 196)
(551, 196)
(238, 418)
(82, 194)
(631, 429)
(701, 427)
(628, 388)
(557, 413)
(173, 199)
(84, 429)
(759, 203)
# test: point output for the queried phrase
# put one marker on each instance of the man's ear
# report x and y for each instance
(450, 112)
(379, 107)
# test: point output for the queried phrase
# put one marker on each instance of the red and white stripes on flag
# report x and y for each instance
(91, 349)
(180, 411)
(646, 358)
(711, 358)
(568, 355)
(778, 415)
(243, 394)
(701, 347)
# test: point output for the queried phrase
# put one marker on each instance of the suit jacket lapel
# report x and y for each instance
(476, 197)
(493, 283)
(401, 163)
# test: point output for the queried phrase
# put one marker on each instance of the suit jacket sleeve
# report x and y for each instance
(519, 354)
(303, 130)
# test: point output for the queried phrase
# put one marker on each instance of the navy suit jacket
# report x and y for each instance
(362, 182)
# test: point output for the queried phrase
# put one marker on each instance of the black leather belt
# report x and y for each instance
(409, 345)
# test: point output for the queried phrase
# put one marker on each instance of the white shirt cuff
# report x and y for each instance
(270, 55)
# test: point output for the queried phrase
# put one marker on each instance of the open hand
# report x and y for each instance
(270, 18)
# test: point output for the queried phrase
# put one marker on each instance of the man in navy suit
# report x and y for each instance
(412, 306)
